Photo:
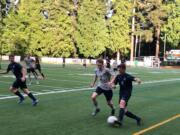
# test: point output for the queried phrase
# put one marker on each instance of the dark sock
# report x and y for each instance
(42, 75)
(131, 115)
(121, 114)
(95, 104)
(32, 97)
(19, 95)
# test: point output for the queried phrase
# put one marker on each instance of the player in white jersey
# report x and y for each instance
(103, 87)
(30, 66)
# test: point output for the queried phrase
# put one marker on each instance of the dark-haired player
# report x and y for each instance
(104, 76)
(38, 66)
(125, 82)
(20, 82)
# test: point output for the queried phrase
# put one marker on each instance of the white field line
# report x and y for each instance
(48, 79)
(84, 89)
(50, 92)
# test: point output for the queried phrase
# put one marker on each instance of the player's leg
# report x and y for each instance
(31, 96)
(122, 105)
(35, 75)
(29, 76)
(14, 89)
(23, 86)
(95, 103)
(133, 116)
(109, 94)
(40, 71)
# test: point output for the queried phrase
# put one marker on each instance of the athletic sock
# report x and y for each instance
(42, 75)
(32, 97)
(131, 115)
(19, 95)
(121, 114)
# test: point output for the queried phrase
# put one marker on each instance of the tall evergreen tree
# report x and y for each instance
(119, 27)
(91, 34)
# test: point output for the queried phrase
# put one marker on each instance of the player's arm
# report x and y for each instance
(94, 81)
(7, 71)
(113, 81)
(137, 80)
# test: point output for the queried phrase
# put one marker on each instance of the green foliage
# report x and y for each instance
(172, 27)
(64, 33)
(119, 28)
(91, 34)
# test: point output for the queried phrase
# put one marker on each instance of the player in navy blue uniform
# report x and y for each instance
(38, 66)
(125, 82)
(20, 82)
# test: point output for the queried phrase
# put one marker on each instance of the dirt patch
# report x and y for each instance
(170, 67)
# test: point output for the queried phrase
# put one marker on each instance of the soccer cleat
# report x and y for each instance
(95, 112)
(117, 122)
(21, 100)
(112, 112)
(34, 103)
(139, 122)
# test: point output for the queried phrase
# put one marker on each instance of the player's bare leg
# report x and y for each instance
(111, 105)
(16, 92)
(95, 103)
(31, 96)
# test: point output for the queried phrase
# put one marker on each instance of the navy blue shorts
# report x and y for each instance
(124, 97)
(19, 84)
(107, 93)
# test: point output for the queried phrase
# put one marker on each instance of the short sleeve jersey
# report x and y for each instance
(29, 62)
(16, 69)
(125, 83)
(104, 77)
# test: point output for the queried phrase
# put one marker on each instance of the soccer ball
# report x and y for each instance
(111, 120)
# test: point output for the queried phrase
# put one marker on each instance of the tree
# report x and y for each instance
(119, 28)
(91, 34)
(172, 27)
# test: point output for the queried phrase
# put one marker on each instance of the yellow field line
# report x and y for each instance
(157, 125)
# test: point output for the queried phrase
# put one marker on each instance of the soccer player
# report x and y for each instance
(125, 82)
(20, 82)
(108, 63)
(104, 76)
(38, 66)
(30, 66)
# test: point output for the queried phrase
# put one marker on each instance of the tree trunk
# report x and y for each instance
(132, 34)
(136, 43)
(158, 30)
(118, 56)
(139, 52)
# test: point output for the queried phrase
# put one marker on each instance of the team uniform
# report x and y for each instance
(38, 67)
(103, 86)
(29, 65)
(108, 63)
(31, 69)
(16, 68)
(125, 82)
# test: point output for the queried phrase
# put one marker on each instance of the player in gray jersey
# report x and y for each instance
(30, 66)
(103, 87)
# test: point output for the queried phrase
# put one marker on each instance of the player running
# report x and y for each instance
(20, 82)
(30, 66)
(125, 82)
(38, 66)
(104, 76)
